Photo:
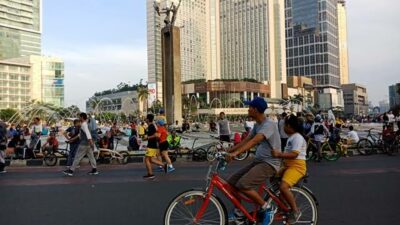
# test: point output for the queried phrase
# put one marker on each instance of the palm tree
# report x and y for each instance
(143, 95)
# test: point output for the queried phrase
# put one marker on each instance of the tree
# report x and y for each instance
(6, 114)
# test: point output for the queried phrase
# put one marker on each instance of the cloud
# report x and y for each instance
(96, 68)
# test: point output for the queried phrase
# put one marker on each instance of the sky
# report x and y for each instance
(103, 43)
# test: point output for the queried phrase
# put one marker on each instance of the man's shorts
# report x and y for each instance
(292, 175)
(151, 152)
(252, 176)
(163, 146)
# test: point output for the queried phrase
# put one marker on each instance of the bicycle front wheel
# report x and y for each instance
(365, 147)
(331, 151)
(184, 208)
(306, 204)
(50, 159)
(211, 151)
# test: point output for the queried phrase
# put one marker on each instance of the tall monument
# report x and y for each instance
(171, 63)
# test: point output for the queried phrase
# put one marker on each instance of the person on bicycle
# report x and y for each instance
(294, 159)
(265, 136)
(51, 145)
(319, 131)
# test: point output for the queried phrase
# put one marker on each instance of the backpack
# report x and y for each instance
(319, 129)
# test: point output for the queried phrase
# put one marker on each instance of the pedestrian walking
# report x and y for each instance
(162, 134)
(86, 147)
(224, 130)
(72, 135)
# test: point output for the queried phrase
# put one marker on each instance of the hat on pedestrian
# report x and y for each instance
(258, 103)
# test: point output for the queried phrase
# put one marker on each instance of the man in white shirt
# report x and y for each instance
(86, 147)
(352, 136)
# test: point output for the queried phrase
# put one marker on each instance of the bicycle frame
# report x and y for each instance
(235, 197)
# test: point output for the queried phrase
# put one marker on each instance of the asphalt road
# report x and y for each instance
(356, 190)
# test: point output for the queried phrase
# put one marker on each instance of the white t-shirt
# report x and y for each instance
(353, 136)
(297, 143)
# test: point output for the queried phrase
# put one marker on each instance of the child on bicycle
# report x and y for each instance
(294, 159)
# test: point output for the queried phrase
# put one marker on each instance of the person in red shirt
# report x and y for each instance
(162, 134)
(51, 144)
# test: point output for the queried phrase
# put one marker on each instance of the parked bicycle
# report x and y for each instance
(105, 155)
(204, 207)
(223, 146)
(51, 158)
(331, 151)
(194, 153)
(370, 144)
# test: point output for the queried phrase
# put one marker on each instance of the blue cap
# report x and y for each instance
(161, 111)
(161, 122)
(259, 103)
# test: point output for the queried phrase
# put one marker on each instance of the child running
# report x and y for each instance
(163, 144)
(294, 158)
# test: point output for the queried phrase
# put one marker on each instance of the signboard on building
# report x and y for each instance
(152, 88)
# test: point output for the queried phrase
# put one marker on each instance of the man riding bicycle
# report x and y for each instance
(265, 136)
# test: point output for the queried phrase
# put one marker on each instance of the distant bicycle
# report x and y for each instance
(331, 151)
(223, 146)
(370, 144)
(51, 158)
(194, 153)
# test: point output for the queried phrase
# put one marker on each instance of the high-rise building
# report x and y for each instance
(223, 39)
(355, 99)
(253, 41)
(394, 95)
(39, 78)
(194, 21)
(342, 35)
(312, 41)
(20, 28)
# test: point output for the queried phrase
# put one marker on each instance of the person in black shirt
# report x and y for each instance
(72, 135)
(152, 148)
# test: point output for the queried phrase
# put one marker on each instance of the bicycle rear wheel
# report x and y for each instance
(331, 151)
(50, 159)
(184, 207)
(365, 147)
(306, 204)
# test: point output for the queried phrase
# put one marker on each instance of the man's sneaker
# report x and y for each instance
(160, 169)
(294, 216)
(268, 215)
(3, 171)
(170, 169)
(68, 172)
(93, 172)
(237, 217)
(149, 177)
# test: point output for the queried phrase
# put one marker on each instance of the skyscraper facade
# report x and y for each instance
(253, 41)
(20, 28)
(312, 41)
(342, 35)
(394, 95)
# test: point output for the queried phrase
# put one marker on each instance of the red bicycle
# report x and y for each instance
(204, 207)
